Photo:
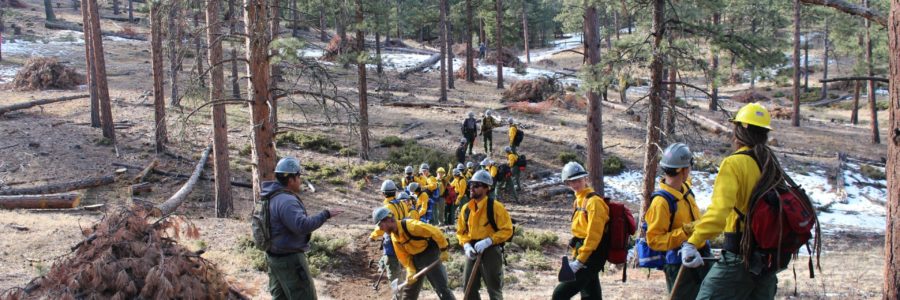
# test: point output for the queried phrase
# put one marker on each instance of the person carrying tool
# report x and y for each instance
(740, 179)
(670, 220)
(482, 228)
(418, 246)
(515, 135)
(459, 185)
(443, 185)
(291, 230)
(400, 210)
(404, 182)
(511, 159)
(589, 245)
(488, 123)
(469, 131)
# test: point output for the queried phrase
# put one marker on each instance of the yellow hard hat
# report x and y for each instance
(441, 170)
(753, 114)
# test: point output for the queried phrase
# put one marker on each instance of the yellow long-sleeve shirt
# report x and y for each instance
(422, 204)
(588, 222)
(512, 133)
(659, 237)
(399, 210)
(478, 228)
(405, 181)
(428, 183)
(493, 170)
(511, 159)
(406, 247)
(459, 185)
(738, 175)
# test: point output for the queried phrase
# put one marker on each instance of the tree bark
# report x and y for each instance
(224, 206)
(655, 113)
(115, 7)
(106, 119)
(159, 103)
(470, 62)
(873, 105)
(322, 26)
(295, 19)
(852, 9)
(29, 104)
(421, 66)
(198, 48)
(62, 187)
(444, 51)
(714, 70)
(276, 70)
(595, 110)
(806, 65)
(363, 88)
(64, 200)
(795, 117)
(48, 10)
(89, 63)
(670, 94)
(825, 60)
(263, 150)
(525, 31)
(499, 41)
(171, 204)
(854, 111)
(174, 36)
(891, 245)
(379, 65)
(449, 39)
(235, 77)
(130, 11)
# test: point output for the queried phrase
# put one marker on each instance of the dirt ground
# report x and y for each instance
(54, 143)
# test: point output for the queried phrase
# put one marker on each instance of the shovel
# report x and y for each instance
(397, 287)
(472, 275)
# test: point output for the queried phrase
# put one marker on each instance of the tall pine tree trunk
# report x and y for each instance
(89, 63)
(448, 36)
(825, 60)
(96, 40)
(174, 32)
(48, 10)
(795, 117)
(323, 28)
(525, 31)
(262, 133)
(470, 62)
(854, 110)
(379, 67)
(714, 70)
(873, 105)
(295, 19)
(891, 245)
(131, 11)
(655, 114)
(224, 205)
(235, 77)
(499, 41)
(595, 109)
(115, 7)
(363, 89)
(670, 94)
(159, 103)
(444, 50)
(276, 70)
(198, 47)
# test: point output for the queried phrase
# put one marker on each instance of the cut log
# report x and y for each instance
(424, 104)
(62, 25)
(141, 188)
(855, 78)
(29, 104)
(176, 175)
(410, 127)
(168, 207)
(146, 171)
(63, 186)
(704, 122)
(421, 66)
(41, 201)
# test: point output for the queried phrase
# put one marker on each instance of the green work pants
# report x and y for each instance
(511, 187)
(587, 279)
(689, 284)
(490, 270)
(438, 211)
(449, 214)
(729, 279)
(488, 137)
(437, 277)
(470, 142)
(289, 277)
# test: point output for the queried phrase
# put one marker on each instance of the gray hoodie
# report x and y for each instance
(291, 227)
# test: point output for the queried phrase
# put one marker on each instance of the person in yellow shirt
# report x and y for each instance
(482, 228)
(470, 170)
(513, 130)
(421, 200)
(740, 178)
(670, 220)
(511, 159)
(399, 209)
(459, 185)
(406, 180)
(418, 245)
(443, 183)
(589, 248)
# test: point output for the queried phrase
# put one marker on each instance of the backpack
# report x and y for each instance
(517, 139)
(522, 162)
(260, 223)
(619, 229)
(781, 221)
(469, 125)
(503, 172)
(408, 233)
(649, 258)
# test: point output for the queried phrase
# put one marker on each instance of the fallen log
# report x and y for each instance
(29, 104)
(169, 206)
(62, 25)
(122, 19)
(176, 175)
(410, 127)
(63, 186)
(855, 78)
(141, 188)
(704, 122)
(41, 201)
(146, 171)
(421, 66)
(424, 104)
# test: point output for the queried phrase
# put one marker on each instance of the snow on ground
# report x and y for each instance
(572, 42)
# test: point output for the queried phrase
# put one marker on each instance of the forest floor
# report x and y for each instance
(53, 143)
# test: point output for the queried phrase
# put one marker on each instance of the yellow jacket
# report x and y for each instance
(478, 227)
(406, 181)
(469, 173)
(405, 247)
(400, 211)
(422, 204)
(428, 184)
(443, 184)
(512, 133)
(459, 185)
(511, 159)
(588, 222)
(738, 175)
(659, 237)
(492, 169)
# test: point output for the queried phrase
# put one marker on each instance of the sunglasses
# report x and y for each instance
(479, 185)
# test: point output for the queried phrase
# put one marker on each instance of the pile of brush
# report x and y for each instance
(43, 73)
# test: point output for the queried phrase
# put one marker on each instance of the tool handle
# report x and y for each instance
(472, 276)
(421, 272)
(675, 284)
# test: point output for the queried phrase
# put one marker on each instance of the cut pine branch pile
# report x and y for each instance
(126, 256)
(335, 48)
(507, 57)
(535, 90)
(750, 96)
(43, 73)
(461, 73)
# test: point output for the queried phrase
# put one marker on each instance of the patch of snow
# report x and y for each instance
(8, 73)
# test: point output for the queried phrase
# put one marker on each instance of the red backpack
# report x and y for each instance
(619, 229)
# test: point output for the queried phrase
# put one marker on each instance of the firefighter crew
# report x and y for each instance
(428, 184)
(410, 205)
(488, 123)
(740, 178)
(421, 200)
(417, 245)
(409, 177)
(459, 185)
(513, 129)
(589, 247)
(400, 210)
(511, 159)
(666, 232)
(291, 230)
(483, 235)
(443, 185)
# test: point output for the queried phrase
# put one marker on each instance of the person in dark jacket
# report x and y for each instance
(291, 230)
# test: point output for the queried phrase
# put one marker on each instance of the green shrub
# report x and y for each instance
(510, 279)
(707, 164)
(336, 181)
(391, 141)
(531, 240)
(613, 165)
(367, 169)
(778, 94)
(413, 154)
(318, 143)
(567, 156)
(536, 260)
(347, 152)
(257, 258)
(872, 172)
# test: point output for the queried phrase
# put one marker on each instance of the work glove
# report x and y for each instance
(445, 256)
(575, 265)
(410, 276)
(688, 228)
(470, 252)
(481, 245)
(690, 257)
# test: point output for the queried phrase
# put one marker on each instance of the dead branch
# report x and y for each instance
(421, 66)
(141, 188)
(852, 9)
(176, 175)
(63, 186)
(855, 78)
(168, 207)
(424, 105)
(410, 127)
(146, 171)
(41, 201)
(29, 104)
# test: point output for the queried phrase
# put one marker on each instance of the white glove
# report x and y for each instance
(483, 244)
(575, 265)
(469, 251)
(690, 257)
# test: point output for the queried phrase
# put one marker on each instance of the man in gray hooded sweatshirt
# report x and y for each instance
(291, 229)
